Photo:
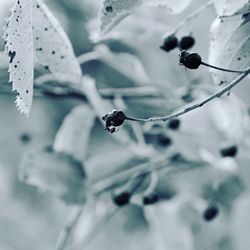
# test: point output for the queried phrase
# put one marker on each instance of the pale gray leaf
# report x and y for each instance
(51, 44)
(114, 11)
(73, 136)
(231, 7)
(33, 33)
(125, 63)
(19, 46)
(56, 173)
(173, 7)
(229, 47)
(167, 229)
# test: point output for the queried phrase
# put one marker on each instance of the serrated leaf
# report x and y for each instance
(19, 46)
(56, 173)
(125, 63)
(33, 34)
(73, 136)
(114, 11)
(229, 47)
(173, 7)
(231, 7)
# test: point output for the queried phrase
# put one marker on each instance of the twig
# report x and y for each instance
(188, 18)
(70, 223)
(222, 69)
(197, 105)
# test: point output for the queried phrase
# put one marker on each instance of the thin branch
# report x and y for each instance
(197, 105)
(67, 229)
(222, 69)
(188, 18)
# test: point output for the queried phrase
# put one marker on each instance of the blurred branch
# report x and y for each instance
(70, 223)
(196, 105)
(64, 91)
(189, 18)
(169, 162)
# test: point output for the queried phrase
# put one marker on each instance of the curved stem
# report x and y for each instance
(222, 69)
(196, 105)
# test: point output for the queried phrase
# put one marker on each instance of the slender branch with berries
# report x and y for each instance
(189, 60)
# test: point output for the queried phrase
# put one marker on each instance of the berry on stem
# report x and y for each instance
(230, 151)
(186, 42)
(113, 119)
(211, 212)
(174, 123)
(121, 199)
(190, 60)
(170, 43)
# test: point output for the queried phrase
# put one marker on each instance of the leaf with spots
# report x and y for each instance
(33, 34)
(114, 11)
(51, 44)
(231, 7)
(19, 46)
(57, 173)
(73, 136)
(229, 47)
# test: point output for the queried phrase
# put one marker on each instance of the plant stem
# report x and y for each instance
(222, 69)
(70, 223)
(196, 105)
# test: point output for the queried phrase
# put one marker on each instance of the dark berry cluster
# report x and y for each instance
(113, 120)
(190, 60)
(230, 151)
(171, 42)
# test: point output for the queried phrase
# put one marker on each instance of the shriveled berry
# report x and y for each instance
(186, 42)
(211, 212)
(190, 60)
(151, 199)
(170, 43)
(230, 151)
(164, 140)
(174, 124)
(113, 119)
(121, 199)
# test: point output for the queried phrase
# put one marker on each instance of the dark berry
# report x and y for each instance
(230, 151)
(113, 119)
(211, 212)
(25, 138)
(121, 199)
(150, 199)
(186, 42)
(174, 124)
(169, 43)
(190, 60)
(164, 140)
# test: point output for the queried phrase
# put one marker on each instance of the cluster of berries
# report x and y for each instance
(171, 42)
